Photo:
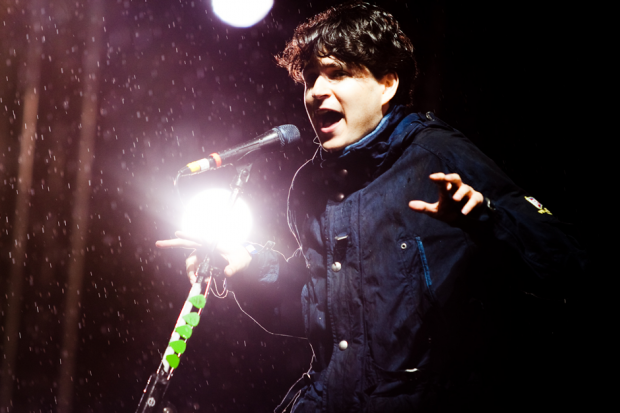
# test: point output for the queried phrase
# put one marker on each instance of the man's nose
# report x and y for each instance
(320, 89)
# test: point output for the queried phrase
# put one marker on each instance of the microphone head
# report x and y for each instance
(288, 134)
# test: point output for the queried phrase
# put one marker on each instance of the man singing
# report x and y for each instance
(407, 236)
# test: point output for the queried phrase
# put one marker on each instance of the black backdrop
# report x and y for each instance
(176, 83)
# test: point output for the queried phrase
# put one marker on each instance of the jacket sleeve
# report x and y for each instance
(269, 291)
(511, 218)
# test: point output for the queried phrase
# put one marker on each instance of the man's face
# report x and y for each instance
(344, 102)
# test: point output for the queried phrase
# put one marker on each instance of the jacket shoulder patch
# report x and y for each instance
(538, 205)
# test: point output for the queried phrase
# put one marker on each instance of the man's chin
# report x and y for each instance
(333, 144)
(338, 142)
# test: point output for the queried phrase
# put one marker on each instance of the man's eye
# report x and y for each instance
(310, 79)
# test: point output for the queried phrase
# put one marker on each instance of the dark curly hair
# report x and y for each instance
(355, 33)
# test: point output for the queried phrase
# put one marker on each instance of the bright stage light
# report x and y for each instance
(242, 13)
(207, 216)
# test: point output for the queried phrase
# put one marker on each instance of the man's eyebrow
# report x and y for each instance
(320, 65)
(332, 65)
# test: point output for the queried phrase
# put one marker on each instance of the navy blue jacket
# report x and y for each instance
(392, 300)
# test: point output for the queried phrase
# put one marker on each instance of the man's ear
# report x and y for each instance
(390, 81)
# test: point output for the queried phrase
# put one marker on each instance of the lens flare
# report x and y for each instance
(208, 217)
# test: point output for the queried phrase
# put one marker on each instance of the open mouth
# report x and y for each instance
(326, 119)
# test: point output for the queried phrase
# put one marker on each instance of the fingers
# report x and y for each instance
(183, 240)
(238, 265)
(447, 183)
(461, 192)
(230, 270)
(238, 260)
(190, 237)
(475, 200)
(440, 176)
(191, 266)
(421, 206)
(176, 243)
(237, 256)
(452, 194)
(464, 192)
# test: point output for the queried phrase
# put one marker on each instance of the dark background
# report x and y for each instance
(176, 83)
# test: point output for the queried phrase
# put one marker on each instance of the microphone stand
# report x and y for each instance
(151, 400)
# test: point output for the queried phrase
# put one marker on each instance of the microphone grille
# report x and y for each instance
(289, 134)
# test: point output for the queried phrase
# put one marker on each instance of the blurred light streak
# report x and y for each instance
(80, 224)
(21, 219)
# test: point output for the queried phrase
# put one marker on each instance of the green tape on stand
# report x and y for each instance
(184, 331)
(173, 360)
(198, 301)
(178, 346)
(192, 319)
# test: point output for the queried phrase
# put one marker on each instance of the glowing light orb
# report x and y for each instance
(208, 217)
(242, 13)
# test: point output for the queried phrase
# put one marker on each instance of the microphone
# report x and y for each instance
(273, 140)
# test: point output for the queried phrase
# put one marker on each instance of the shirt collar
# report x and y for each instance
(372, 135)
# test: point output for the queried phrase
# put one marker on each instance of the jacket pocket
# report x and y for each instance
(400, 340)
(415, 266)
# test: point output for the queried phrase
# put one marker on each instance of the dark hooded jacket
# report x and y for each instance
(398, 305)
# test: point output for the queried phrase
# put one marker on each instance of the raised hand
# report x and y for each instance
(455, 198)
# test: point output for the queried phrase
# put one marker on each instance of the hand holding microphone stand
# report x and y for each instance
(152, 397)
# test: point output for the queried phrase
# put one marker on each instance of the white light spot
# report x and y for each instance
(207, 217)
(242, 13)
